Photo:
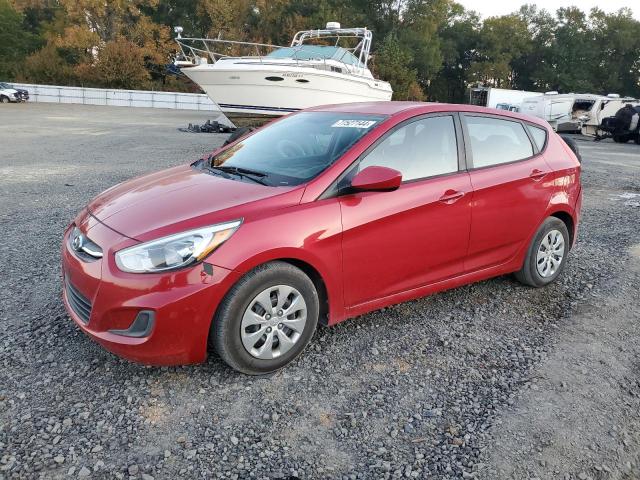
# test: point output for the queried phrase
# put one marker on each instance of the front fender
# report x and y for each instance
(308, 233)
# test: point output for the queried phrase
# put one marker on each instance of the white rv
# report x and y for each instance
(565, 112)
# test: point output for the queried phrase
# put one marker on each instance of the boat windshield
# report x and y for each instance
(295, 149)
(316, 52)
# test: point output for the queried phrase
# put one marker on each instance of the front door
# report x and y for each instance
(417, 234)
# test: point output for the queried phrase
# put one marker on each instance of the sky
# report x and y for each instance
(492, 7)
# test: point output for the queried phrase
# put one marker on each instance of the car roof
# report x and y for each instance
(395, 108)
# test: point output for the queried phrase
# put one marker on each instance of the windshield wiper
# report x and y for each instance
(253, 175)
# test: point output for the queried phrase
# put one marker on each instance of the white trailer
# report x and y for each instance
(500, 98)
(603, 108)
(565, 112)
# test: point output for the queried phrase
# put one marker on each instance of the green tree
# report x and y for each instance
(393, 63)
(502, 41)
(536, 68)
(16, 42)
(573, 53)
(460, 37)
(616, 68)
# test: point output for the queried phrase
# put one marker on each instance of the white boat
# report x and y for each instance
(317, 68)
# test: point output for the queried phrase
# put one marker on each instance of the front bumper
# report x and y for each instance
(182, 302)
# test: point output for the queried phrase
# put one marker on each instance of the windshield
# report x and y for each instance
(295, 149)
(5, 85)
(316, 52)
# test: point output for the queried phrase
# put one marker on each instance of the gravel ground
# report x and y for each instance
(492, 380)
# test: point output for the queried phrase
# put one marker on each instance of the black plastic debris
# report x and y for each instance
(208, 127)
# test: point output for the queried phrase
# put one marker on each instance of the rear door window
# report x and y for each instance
(495, 141)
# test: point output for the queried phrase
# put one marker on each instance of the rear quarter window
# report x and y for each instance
(539, 136)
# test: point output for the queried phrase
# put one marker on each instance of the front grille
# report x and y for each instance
(78, 303)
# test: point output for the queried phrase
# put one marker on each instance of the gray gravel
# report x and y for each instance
(492, 380)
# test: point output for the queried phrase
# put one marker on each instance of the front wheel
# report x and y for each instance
(547, 254)
(4, 99)
(266, 319)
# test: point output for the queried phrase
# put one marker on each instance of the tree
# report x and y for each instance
(393, 63)
(46, 66)
(16, 42)
(535, 67)
(120, 64)
(502, 40)
(460, 37)
(617, 55)
(573, 52)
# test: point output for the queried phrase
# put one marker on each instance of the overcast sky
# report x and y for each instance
(488, 8)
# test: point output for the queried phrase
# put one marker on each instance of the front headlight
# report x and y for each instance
(175, 251)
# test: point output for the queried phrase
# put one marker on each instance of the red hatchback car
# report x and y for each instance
(320, 216)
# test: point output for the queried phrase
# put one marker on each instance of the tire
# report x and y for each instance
(637, 139)
(531, 273)
(4, 99)
(240, 319)
(621, 138)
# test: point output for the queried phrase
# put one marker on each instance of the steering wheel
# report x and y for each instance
(289, 148)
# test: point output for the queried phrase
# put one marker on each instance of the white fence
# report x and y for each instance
(119, 98)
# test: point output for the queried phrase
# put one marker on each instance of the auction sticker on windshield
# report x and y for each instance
(354, 123)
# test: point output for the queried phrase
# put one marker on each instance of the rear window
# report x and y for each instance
(539, 136)
(495, 141)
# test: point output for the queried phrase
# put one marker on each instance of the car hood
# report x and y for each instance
(8, 90)
(178, 199)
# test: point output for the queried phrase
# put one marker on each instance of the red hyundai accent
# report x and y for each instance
(320, 216)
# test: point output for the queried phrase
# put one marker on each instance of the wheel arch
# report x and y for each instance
(569, 221)
(328, 288)
(318, 281)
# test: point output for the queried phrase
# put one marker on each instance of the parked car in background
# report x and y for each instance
(22, 93)
(8, 93)
(320, 216)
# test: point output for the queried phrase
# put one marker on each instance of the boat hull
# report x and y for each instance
(279, 90)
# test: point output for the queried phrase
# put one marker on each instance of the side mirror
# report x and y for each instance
(376, 179)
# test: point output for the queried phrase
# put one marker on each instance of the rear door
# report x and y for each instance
(510, 188)
(419, 233)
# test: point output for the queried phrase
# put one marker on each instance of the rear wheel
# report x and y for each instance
(266, 319)
(547, 254)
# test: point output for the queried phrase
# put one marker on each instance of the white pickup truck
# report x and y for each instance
(8, 94)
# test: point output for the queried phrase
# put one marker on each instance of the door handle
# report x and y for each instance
(537, 175)
(451, 196)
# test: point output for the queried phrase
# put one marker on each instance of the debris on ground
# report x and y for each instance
(208, 127)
